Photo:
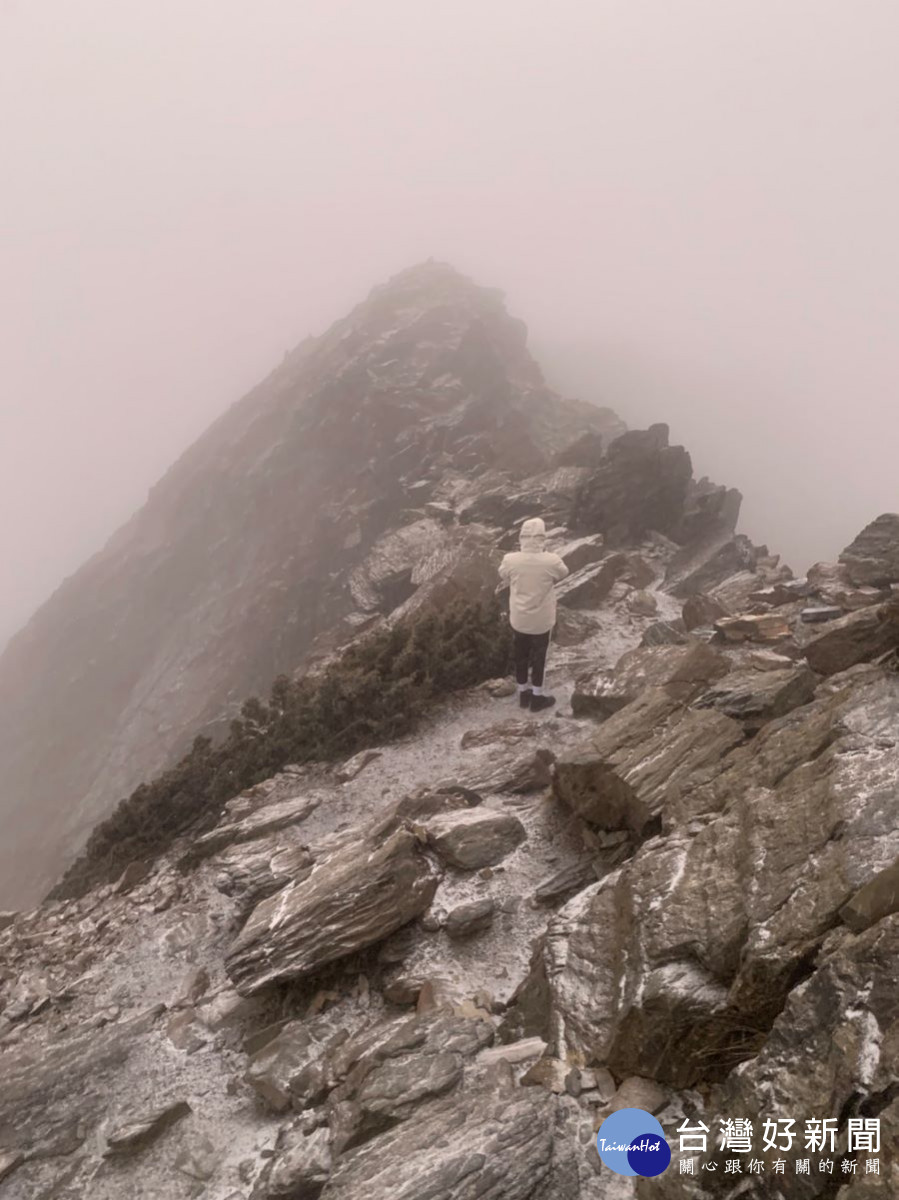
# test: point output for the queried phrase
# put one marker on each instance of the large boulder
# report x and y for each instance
(676, 964)
(581, 552)
(683, 670)
(640, 485)
(352, 899)
(858, 637)
(700, 568)
(873, 558)
(755, 697)
(832, 1053)
(621, 777)
(473, 838)
(384, 578)
(492, 1143)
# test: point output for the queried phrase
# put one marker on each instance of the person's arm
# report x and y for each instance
(559, 570)
(505, 571)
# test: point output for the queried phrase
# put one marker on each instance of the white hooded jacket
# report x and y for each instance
(531, 574)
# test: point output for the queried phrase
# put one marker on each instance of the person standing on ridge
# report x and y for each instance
(531, 574)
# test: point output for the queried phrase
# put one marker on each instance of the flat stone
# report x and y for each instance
(355, 765)
(701, 611)
(515, 1052)
(399, 1084)
(753, 627)
(473, 838)
(138, 1132)
(819, 615)
(879, 898)
(582, 552)
(858, 637)
(755, 697)
(684, 670)
(270, 818)
(468, 919)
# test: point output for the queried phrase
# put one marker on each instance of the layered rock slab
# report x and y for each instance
(351, 900)
(485, 1144)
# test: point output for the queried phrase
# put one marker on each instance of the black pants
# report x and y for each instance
(530, 652)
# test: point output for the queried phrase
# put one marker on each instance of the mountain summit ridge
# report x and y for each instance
(242, 555)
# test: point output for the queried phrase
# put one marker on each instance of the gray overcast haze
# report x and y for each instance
(693, 205)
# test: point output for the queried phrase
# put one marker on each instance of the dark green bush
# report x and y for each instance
(378, 690)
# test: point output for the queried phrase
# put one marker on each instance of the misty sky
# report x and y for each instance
(693, 204)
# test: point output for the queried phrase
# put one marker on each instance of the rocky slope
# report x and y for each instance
(430, 971)
(267, 535)
(433, 969)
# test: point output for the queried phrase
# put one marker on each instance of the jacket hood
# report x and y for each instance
(533, 534)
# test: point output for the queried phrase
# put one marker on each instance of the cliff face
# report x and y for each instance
(255, 543)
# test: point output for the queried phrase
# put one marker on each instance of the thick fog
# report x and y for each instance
(692, 204)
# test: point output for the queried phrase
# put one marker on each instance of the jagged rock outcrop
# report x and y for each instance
(872, 559)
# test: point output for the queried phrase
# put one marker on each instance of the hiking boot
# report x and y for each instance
(524, 698)
(538, 703)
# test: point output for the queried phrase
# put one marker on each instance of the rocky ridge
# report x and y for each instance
(312, 507)
(433, 969)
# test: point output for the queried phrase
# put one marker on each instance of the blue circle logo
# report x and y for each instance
(632, 1142)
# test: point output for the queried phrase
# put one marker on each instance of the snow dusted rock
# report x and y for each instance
(643, 604)
(755, 697)
(832, 1052)
(683, 670)
(700, 568)
(751, 627)
(358, 762)
(139, 1131)
(384, 579)
(301, 1166)
(269, 818)
(702, 611)
(469, 839)
(9, 1160)
(873, 558)
(351, 900)
(620, 778)
(493, 1143)
(582, 552)
(468, 919)
(858, 637)
(593, 584)
(878, 898)
(249, 872)
(641, 484)
(42, 1095)
(649, 976)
